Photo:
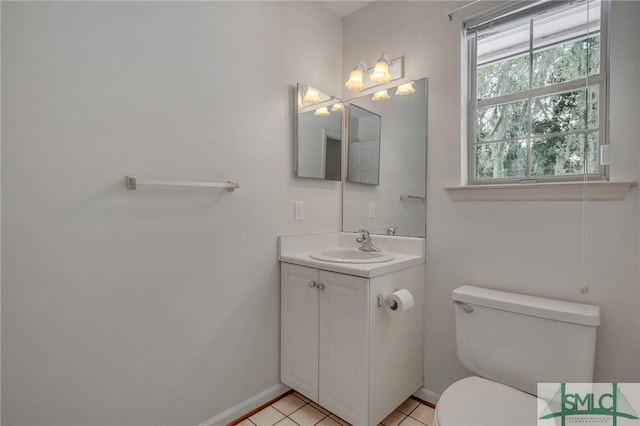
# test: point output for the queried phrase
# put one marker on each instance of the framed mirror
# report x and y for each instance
(364, 146)
(318, 134)
(396, 205)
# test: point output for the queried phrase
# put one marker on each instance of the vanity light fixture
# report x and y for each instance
(384, 71)
(337, 107)
(381, 74)
(311, 95)
(405, 89)
(382, 95)
(356, 78)
(322, 112)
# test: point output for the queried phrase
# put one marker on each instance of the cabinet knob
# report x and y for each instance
(320, 286)
(312, 284)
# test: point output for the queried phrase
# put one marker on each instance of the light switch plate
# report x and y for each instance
(298, 210)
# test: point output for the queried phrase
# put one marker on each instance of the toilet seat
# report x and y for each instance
(474, 401)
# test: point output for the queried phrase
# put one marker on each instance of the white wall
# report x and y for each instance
(161, 306)
(158, 306)
(637, 67)
(529, 247)
(0, 238)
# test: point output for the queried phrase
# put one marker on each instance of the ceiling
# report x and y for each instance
(341, 9)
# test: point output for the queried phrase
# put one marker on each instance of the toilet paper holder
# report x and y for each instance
(382, 301)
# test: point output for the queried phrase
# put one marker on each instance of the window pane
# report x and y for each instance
(532, 128)
(567, 21)
(501, 160)
(565, 112)
(566, 62)
(507, 121)
(503, 77)
(593, 107)
(565, 155)
(504, 41)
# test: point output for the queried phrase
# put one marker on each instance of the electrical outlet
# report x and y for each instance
(298, 210)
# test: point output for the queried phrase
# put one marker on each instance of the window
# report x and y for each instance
(537, 92)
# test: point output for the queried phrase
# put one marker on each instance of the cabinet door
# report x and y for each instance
(344, 346)
(299, 329)
(396, 343)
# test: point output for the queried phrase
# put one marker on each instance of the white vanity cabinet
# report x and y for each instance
(343, 351)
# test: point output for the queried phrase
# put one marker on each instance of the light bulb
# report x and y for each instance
(381, 73)
(322, 112)
(312, 96)
(382, 95)
(405, 89)
(336, 107)
(356, 81)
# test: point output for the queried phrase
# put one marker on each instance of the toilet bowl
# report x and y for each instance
(512, 342)
(481, 402)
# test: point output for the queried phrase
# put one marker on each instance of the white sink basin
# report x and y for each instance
(349, 255)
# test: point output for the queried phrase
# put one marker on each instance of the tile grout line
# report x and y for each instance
(286, 416)
(328, 414)
(298, 409)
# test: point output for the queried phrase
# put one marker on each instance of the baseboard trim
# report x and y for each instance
(275, 391)
(427, 395)
(246, 406)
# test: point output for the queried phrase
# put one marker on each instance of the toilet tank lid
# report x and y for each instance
(558, 310)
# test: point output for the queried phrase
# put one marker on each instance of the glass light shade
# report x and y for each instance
(312, 96)
(322, 112)
(405, 89)
(356, 81)
(382, 95)
(381, 73)
(336, 107)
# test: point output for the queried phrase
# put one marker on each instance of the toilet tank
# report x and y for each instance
(521, 340)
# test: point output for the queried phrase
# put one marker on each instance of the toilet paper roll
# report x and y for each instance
(399, 301)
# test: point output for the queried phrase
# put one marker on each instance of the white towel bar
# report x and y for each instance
(412, 197)
(133, 182)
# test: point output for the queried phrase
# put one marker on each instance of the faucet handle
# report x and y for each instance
(364, 235)
(366, 243)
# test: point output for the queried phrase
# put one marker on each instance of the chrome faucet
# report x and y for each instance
(366, 243)
(392, 230)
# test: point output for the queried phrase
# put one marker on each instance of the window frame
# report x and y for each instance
(600, 80)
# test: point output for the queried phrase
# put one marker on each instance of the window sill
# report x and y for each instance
(557, 191)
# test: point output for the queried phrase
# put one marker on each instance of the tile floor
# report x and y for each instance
(296, 410)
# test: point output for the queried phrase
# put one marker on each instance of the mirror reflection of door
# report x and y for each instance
(364, 146)
(333, 157)
(363, 162)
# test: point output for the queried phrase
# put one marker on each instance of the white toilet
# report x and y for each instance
(513, 342)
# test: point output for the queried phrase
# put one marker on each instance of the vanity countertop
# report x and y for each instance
(408, 251)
